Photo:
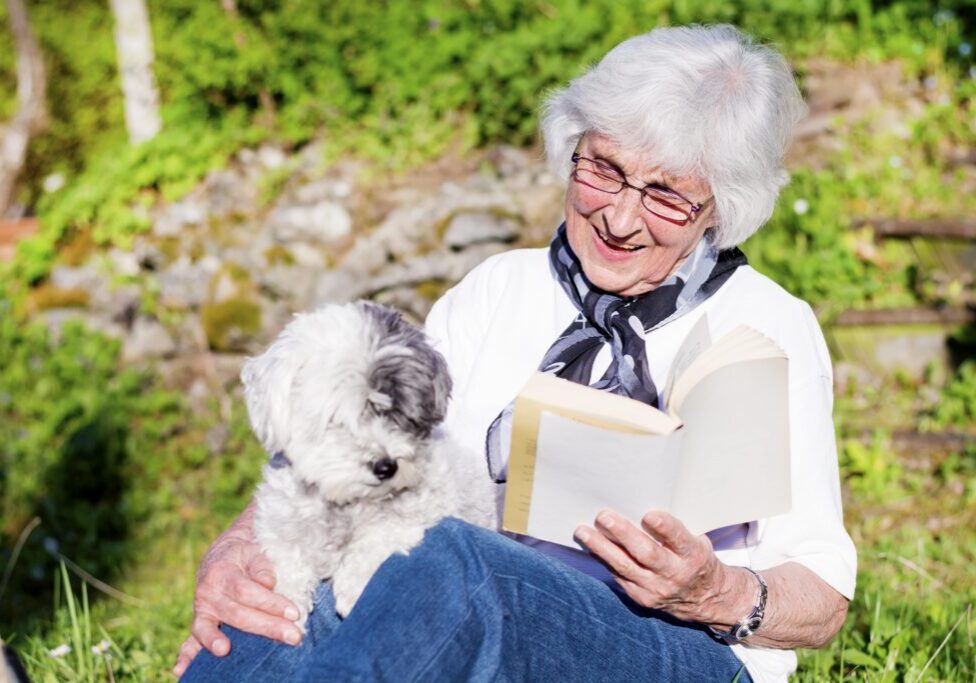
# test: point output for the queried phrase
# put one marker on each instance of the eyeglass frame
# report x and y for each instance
(693, 208)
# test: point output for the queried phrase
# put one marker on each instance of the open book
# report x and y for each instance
(719, 455)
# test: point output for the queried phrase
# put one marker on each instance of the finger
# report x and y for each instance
(260, 569)
(188, 650)
(257, 596)
(617, 560)
(205, 629)
(669, 532)
(260, 623)
(642, 548)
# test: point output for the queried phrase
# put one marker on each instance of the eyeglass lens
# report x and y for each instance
(606, 179)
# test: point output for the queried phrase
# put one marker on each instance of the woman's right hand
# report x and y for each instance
(234, 587)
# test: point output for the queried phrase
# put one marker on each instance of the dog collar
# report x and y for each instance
(279, 460)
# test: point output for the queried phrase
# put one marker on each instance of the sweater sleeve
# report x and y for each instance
(812, 533)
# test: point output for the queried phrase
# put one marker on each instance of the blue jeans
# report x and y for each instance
(472, 605)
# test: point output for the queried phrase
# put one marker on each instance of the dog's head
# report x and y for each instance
(350, 394)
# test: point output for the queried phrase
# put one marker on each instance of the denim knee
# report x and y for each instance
(455, 536)
(476, 551)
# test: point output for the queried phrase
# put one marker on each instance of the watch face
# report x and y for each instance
(747, 628)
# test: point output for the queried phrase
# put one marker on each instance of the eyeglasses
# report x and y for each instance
(663, 203)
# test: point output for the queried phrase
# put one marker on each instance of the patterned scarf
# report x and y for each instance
(622, 322)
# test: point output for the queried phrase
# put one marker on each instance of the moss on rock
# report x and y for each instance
(229, 324)
(47, 296)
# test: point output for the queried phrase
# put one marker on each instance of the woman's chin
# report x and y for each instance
(614, 282)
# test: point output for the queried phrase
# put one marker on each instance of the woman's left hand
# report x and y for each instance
(663, 566)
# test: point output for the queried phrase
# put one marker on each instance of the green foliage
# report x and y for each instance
(403, 82)
(110, 200)
(872, 470)
(87, 655)
(102, 455)
(957, 404)
(84, 97)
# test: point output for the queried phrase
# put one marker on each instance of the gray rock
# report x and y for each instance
(323, 189)
(216, 438)
(307, 255)
(510, 161)
(72, 277)
(467, 229)
(174, 219)
(148, 255)
(56, 318)
(120, 304)
(147, 340)
(184, 284)
(271, 157)
(229, 193)
(293, 283)
(341, 285)
(314, 192)
(325, 222)
(122, 262)
(224, 288)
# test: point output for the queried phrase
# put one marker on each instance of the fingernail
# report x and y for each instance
(293, 637)
(605, 520)
(291, 613)
(582, 534)
(220, 647)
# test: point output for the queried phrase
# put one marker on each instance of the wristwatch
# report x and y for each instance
(747, 626)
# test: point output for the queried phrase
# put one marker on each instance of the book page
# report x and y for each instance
(694, 344)
(594, 406)
(741, 344)
(735, 464)
(581, 469)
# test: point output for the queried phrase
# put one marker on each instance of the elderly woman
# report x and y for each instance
(672, 148)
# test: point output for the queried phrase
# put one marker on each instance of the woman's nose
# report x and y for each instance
(624, 219)
(620, 227)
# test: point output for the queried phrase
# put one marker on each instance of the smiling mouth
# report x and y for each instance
(614, 246)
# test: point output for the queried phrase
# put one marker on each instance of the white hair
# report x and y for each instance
(702, 101)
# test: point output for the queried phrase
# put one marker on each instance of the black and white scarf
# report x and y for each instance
(622, 322)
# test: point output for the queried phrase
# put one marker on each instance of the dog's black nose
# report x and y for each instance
(384, 468)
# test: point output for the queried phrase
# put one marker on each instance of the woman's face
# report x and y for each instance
(623, 248)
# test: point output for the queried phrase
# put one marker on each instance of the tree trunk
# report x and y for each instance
(31, 116)
(133, 43)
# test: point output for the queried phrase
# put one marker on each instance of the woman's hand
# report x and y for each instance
(234, 587)
(665, 567)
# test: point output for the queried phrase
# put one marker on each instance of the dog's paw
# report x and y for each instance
(345, 600)
(347, 585)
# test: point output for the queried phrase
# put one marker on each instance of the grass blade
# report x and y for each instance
(21, 540)
(941, 645)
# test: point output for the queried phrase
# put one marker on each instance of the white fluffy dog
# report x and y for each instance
(348, 399)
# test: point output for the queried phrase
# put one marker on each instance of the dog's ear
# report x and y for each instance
(408, 377)
(268, 380)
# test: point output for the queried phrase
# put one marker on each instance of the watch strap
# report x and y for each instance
(750, 623)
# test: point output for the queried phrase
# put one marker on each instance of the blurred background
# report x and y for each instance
(177, 178)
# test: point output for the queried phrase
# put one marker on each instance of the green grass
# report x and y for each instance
(912, 618)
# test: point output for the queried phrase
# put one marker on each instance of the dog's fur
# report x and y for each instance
(340, 394)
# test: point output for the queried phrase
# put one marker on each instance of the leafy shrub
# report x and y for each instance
(102, 455)
(397, 81)
(957, 404)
